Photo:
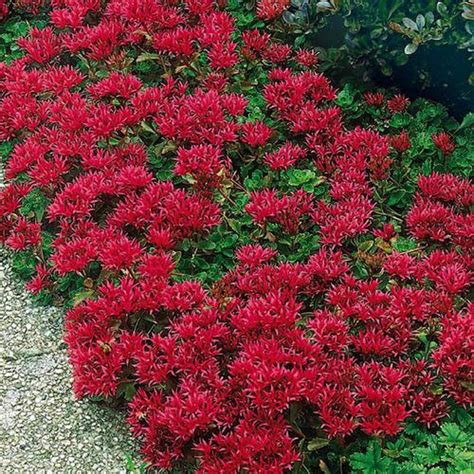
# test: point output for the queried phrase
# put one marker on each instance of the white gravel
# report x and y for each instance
(42, 427)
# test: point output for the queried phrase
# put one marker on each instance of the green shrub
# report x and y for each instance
(406, 40)
(448, 450)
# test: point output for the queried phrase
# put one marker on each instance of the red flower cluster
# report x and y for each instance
(444, 142)
(271, 9)
(441, 211)
(375, 99)
(238, 361)
(401, 142)
(288, 211)
(218, 370)
(353, 157)
(204, 163)
(454, 356)
(3, 9)
(397, 103)
(285, 157)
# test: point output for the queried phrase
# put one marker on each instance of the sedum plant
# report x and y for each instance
(266, 274)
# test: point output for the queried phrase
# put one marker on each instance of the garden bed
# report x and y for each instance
(270, 273)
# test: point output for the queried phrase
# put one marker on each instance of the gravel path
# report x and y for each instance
(42, 427)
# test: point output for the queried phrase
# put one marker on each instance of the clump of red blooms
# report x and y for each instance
(443, 142)
(3, 9)
(400, 142)
(440, 212)
(375, 99)
(271, 9)
(397, 103)
(28, 6)
(217, 370)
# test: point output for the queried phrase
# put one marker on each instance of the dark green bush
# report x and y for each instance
(424, 46)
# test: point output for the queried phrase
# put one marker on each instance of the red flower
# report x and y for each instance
(386, 232)
(398, 103)
(3, 9)
(221, 373)
(271, 9)
(73, 256)
(306, 57)
(453, 358)
(287, 155)
(24, 234)
(255, 42)
(40, 280)
(264, 205)
(178, 41)
(439, 211)
(254, 255)
(400, 142)
(42, 45)
(444, 142)
(288, 211)
(119, 253)
(399, 264)
(276, 52)
(223, 55)
(256, 133)
(203, 162)
(119, 85)
(376, 99)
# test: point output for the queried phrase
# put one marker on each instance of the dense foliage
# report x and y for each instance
(263, 266)
(450, 449)
(426, 44)
(419, 23)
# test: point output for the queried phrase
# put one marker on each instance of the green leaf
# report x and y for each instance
(23, 264)
(410, 24)
(345, 97)
(467, 385)
(255, 181)
(128, 390)
(403, 244)
(234, 224)
(299, 177)
(372, 461)
(148, 57)
(410, 48)
(427, 455)
(420, 21)
(80, 296)
(452, 434)
(429, 17)
(229, 241)
(366, 245)
(464, 418)
(441, 8)
(396, 197)
(427, 167)
(34, 203)
(400, 120)
(468, 121)
(317, 443)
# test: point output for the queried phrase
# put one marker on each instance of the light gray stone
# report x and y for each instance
(43, 428)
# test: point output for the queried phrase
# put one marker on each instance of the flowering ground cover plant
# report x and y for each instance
(260, 265)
